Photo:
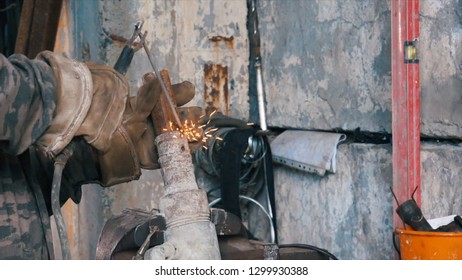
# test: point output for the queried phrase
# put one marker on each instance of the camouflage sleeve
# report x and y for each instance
(27, 101)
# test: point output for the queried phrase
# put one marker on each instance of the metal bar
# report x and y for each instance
(165, 91)
(405, 104)
(22, 39)
(162, 114)
(413, 87)
(38, 26)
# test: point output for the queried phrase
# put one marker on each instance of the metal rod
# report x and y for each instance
(162, 84)
(261, 98)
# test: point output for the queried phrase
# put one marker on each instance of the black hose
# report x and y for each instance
(396, 246)
(60, 163)
(323, 252)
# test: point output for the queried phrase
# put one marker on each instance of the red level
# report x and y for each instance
(405, 101)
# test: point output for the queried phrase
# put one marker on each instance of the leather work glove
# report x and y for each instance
(131, 146)
(93, 104)
(133, 142)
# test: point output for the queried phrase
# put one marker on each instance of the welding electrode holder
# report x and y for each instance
(411, 214)
(126, 57)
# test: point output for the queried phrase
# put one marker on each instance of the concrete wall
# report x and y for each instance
(350, 213)
(441, 68)
(326, 66)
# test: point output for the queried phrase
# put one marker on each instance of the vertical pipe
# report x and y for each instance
(405, 104)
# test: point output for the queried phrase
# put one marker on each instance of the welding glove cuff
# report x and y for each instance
(91, 104)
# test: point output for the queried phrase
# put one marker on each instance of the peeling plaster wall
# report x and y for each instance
(348, 213)
(180, 37)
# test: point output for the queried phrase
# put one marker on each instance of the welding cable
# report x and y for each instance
(253, 175)
(272, 232)
(250, 164)
(396, 246)
(60, 163)
(323, 252)
(211, 148)
(254, 164)
(244, 185)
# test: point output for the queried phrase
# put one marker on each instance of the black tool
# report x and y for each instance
(126, 57)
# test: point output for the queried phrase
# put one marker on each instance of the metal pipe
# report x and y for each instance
(184, 206)
(261, 98)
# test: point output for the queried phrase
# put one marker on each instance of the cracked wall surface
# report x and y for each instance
(327, 64)
(440, 55)
(350, 213)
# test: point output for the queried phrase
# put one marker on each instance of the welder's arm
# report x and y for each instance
(50, 101)
(27, 101)
(28, 106)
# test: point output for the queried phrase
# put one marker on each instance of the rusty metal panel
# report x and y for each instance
(216, 88)
(38, 26)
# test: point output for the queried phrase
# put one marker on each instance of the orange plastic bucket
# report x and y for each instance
(426, 245)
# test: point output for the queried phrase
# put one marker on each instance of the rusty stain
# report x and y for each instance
(228, 41)
(117, 38)
(216, 88)
(121, 40)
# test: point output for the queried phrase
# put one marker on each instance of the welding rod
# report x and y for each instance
(162, 84)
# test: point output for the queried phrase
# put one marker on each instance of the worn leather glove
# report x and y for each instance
(94, 104)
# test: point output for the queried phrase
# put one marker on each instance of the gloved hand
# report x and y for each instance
(97, 107)
(133, 141)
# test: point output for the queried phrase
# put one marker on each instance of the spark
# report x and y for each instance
(194, 132)
(189, 130)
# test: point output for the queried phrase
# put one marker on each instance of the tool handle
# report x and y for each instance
(124, 60)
